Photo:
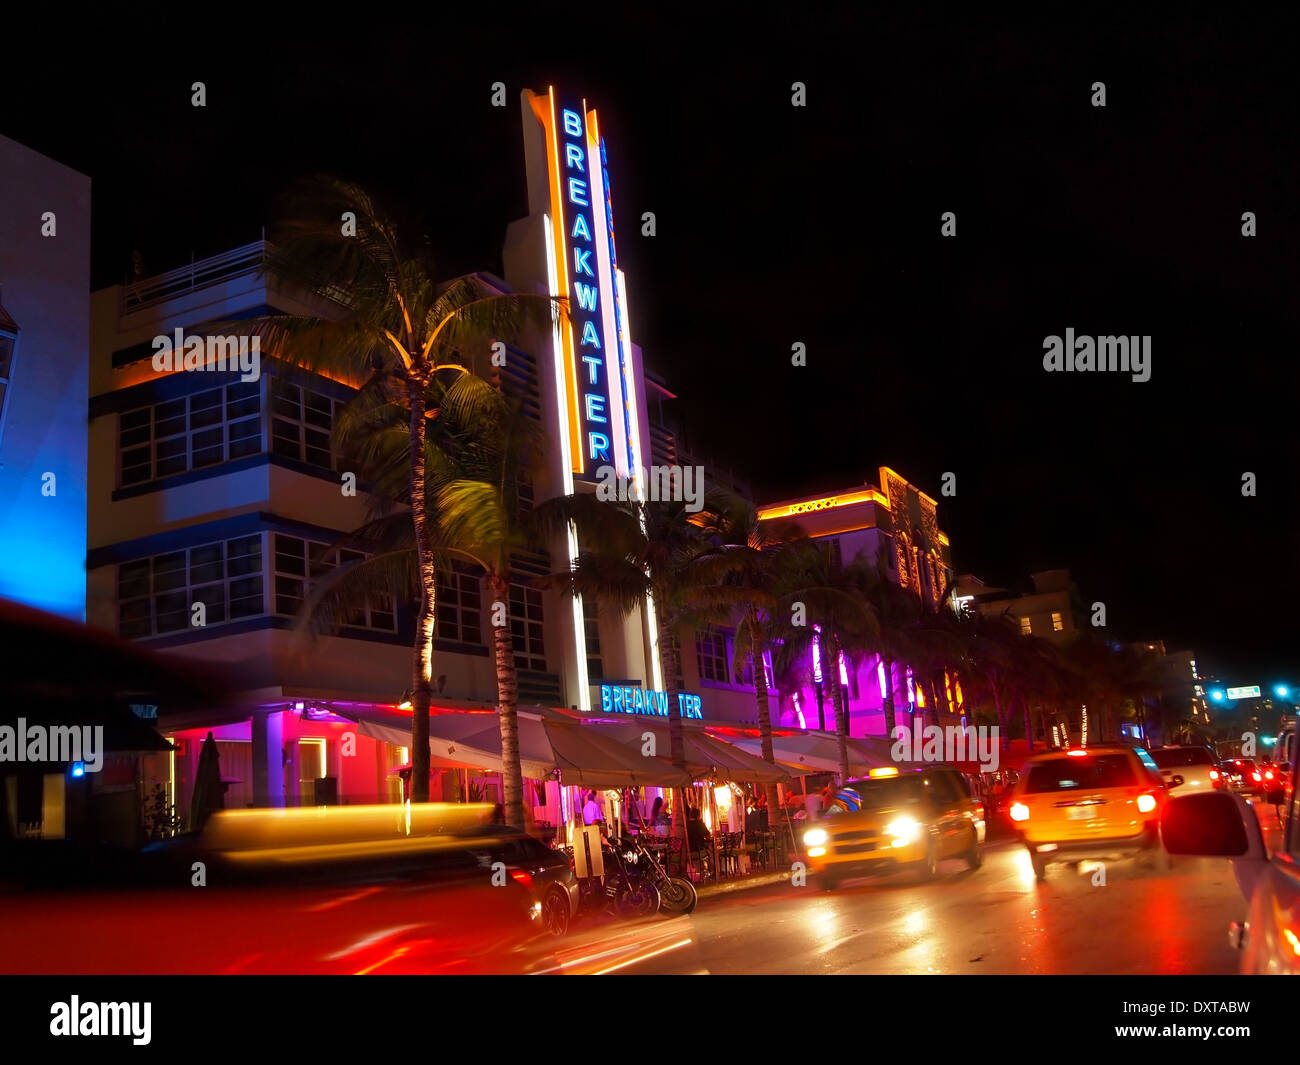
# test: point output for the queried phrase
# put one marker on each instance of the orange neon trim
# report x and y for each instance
(577, 453)
(797, 508)
(885, 484)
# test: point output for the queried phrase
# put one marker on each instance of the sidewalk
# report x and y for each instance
(742, 883)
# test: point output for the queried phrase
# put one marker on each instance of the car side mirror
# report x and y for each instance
(1173, 781)
(1212, 825)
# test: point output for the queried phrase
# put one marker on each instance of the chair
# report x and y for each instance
(673, 860)
(729, 854)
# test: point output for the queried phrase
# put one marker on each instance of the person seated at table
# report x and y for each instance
(697, 834)
(659, 814)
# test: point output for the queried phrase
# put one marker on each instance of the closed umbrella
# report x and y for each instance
(209, 793)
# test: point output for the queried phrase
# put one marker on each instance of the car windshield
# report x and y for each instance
(891, 791)
(1088, 773)
(1177, 757)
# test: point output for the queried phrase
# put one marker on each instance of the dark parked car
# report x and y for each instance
(547, 874)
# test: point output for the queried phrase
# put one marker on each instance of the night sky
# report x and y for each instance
(821, 225)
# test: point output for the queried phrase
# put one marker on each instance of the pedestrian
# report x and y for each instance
(592, 814)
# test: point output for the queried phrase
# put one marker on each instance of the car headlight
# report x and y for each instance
(815, 837)
(904, 828)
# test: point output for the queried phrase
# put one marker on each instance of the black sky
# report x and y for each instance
(821, 225)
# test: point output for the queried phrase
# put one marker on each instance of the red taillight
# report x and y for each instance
(1077, 754)
(979, 811)
(1214, 774)
(1268, 774)
(1019, 811)
(1255, 776)
(522, 877)
(1146, 803)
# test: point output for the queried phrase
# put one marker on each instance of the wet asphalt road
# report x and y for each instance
(996, 919)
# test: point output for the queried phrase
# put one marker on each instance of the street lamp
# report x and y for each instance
(1216, 694)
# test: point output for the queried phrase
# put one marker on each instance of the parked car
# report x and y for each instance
(547, 874)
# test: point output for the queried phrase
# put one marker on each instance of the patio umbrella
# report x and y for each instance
(706, 756)
(209, 794)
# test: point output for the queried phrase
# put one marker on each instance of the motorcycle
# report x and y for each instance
(676, 895)
(620, 892)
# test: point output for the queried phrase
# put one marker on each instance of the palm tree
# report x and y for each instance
(482, 518)
(748, 576)
(382, 315)
(896, 611)
(630, 553)
(992, 654)
(836, 614)
(483, 451)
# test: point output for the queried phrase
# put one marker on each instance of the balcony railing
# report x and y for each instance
(227, 266)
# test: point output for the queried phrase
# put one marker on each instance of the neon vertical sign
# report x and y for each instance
(600, 413)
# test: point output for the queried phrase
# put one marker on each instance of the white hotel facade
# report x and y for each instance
(207, 489)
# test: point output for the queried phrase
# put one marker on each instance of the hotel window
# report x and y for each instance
(1026, 627)
(711, 655)
(301, 421)
(156, 595)
(299, 563)
(460, 605)
(526, 628)
(190, 433)
(591, 627)
(1058, 622)
(680, 677)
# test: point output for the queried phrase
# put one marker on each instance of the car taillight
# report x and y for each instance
(1214, 774)
(523, 877)
(1268, 774)
(979, 811)
(1019, 811)
(1255, 776)
(1146, 803)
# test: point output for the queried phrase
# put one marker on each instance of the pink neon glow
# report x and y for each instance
(798, 710)
(880, 674)
(817, 654)
(844, 671)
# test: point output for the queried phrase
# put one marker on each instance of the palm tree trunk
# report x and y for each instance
(422, 664)
(890, 720)
(837, 703)
(512, 781)
(1004, 720)
(676, 738)
(764, 721)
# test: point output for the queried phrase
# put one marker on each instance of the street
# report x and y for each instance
(992, 920)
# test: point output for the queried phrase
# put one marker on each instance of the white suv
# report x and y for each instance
(1188, 770)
